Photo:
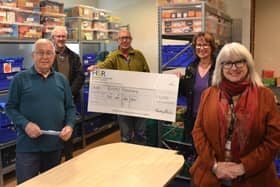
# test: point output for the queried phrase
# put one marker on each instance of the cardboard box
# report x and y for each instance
(51, 7)
(8, 31)
(79, 23)
(29, 32)
(52, 20)
(99, 35)
(7, 16)
(80, 11)
(29, 4)
(267, 73)
(278, 81)
(100, 25)
(8, 3)
(269, 82)
(26, 17)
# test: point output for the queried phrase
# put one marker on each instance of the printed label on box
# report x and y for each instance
(7, 67)
(29, 4)
(32, 31)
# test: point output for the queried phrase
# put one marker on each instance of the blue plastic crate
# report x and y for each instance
(5, 80)
(182, 101)
(15, 63)
(7, 134)
(89, 59)
(277, 165)
(169, 51)
(4, 119)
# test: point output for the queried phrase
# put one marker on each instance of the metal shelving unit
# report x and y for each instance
(181, 22)
(9, 168)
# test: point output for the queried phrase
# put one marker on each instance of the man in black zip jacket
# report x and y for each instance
(68, 63)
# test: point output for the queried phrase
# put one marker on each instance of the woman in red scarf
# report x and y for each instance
(237, 130)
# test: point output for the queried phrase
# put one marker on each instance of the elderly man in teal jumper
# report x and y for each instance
(40, 99)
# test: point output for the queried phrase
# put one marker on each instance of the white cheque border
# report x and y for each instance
(148, 95)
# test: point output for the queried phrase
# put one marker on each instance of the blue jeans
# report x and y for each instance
(133, 129)
(28, 165)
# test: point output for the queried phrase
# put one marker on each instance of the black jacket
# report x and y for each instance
(186, 86)
(76, 75)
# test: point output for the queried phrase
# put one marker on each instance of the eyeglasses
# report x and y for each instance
(124, 38)
(205, 46)
(238, 64)
(60, 36)
(42, 53)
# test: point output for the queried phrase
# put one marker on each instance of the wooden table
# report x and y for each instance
(112, 165)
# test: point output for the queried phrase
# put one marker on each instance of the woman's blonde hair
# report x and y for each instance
(236, 51)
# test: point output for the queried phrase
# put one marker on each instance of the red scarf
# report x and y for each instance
(245, 111)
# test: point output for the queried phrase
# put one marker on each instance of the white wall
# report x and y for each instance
(141, 15)
(267, 38)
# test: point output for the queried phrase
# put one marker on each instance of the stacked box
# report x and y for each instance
(112, 35)
(88, 60)
(29, 4)
(29, 32)
(100, 15)
(270, 82)
(5, 80)
(113, 25)
(11, 64)
(8, 3)
(79, 23)
(27, 17)
(8, 16)
(8, 31)
(73, 34)
(51, 7)
(170, 51)
(100, 25)
(80, 11)
(100, 35)
(4, 119)
(52, 20)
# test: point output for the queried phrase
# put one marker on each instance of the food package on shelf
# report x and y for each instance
(8, 16)
(8, 31)
(52, 20)
(29, 31)
(79, 23)
(100, 25)
(47, 31)
(100, 14)
(212, 23)
(27, 17)
(29, 4)
(197, 25)
(177, 26)
(8, 3)
(86, 35)
(114, 19)
(51, 7)
(80, 11)
(73, 34)
(100, 35)
(112, 35)
(113, 25)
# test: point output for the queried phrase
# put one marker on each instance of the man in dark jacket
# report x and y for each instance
(68, 63)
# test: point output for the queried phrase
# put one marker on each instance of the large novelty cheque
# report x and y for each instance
(148, 95)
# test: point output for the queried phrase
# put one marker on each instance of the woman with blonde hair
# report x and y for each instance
(237, 129)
